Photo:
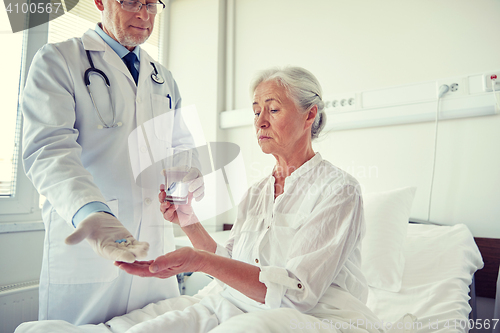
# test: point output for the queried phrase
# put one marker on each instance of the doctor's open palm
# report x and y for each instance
(108, 238)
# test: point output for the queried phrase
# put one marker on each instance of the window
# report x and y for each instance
(19, 201)
(18, 198)
(9, 92)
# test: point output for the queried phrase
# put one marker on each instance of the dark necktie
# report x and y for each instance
(130, 59)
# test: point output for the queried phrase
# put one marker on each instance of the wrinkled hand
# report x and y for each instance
(101, 231)
(183, 260)
(182, 215)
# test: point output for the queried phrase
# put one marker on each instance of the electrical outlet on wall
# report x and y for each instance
(487, 82)
(341, 103)
(456, 87)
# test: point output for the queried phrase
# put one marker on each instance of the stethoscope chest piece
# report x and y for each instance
(157, 78)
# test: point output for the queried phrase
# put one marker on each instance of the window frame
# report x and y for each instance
(23, 205)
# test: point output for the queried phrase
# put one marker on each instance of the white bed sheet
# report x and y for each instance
(440, 263)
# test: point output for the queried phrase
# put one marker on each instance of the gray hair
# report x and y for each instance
(302, 87)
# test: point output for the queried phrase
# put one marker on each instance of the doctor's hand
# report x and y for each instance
(193, 178)
(183, 215)
(196, 185)
(102, 230)
(183, 260)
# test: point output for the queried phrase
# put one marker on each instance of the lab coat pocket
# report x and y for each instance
(163, 117)
(159, 129)
(75, 264)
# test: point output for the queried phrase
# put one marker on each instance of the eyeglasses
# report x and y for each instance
(135, 6)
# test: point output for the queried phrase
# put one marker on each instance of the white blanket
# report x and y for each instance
(279, 320)
(155, 318)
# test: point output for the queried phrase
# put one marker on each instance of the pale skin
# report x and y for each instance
(127, 28)
(282, 131)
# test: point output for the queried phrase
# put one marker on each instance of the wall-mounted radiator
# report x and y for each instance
(18, 303)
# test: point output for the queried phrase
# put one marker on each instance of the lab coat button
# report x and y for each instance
(139, 100)
(148, 201)
(144, 149)
(299, 285)
(257, 261)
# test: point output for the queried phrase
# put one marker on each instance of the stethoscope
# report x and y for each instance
(157, 78)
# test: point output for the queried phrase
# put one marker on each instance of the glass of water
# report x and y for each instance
(177, 166)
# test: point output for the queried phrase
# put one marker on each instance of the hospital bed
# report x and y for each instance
(440, 262)
(419, 275)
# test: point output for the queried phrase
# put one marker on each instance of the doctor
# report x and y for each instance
(77, 153)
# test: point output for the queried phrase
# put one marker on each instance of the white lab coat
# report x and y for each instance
(72, 162)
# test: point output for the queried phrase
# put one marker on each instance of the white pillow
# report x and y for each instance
(386, 216)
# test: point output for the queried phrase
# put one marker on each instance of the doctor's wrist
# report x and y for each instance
(89, 208)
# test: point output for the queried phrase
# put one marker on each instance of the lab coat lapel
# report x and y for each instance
(93, 42)
(114, 60)
(144, 68)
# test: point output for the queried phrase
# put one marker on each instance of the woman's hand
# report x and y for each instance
(185, 259)
(237, 274)
(182, 215)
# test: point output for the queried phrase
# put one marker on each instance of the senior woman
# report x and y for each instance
(295, 245)
(292, 262)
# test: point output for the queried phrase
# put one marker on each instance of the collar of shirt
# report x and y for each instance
(117, 47)
(308, 165)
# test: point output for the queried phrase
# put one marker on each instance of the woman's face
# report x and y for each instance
(280, 128)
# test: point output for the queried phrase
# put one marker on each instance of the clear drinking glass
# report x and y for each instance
(177, 166)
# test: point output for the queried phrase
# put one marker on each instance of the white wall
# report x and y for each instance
(20, 256)
(192, 58)
(359, 45)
